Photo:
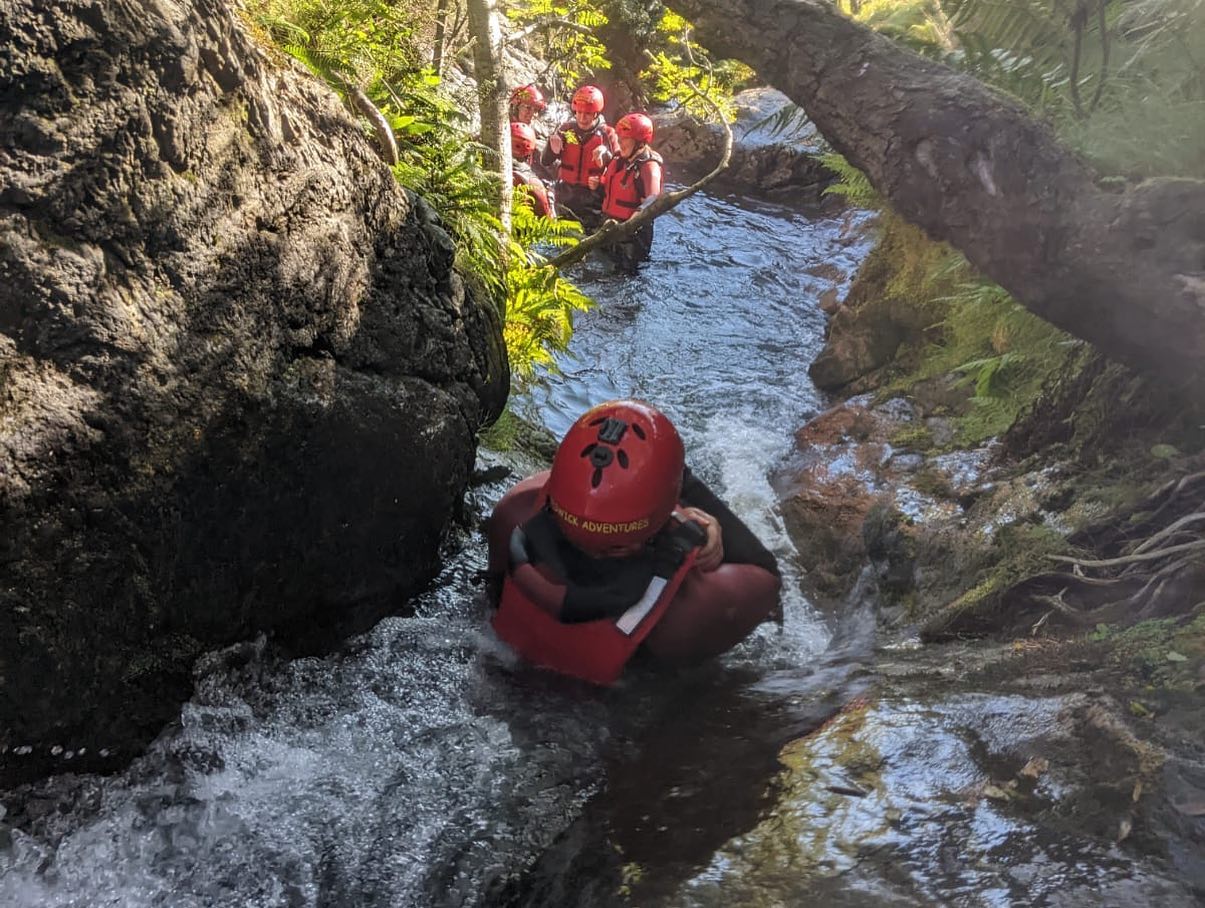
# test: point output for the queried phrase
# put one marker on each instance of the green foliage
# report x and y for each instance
(512, 432)
(647, 43)
(356, 40)
(576, 54)
(679, 64)
(851, 183)
(787, 123)
(540, 304)
(1165, 652)
(1132, 99)
(1001, 350)
(539, 317)
(966, 326)
(371, 44)
(447, 173)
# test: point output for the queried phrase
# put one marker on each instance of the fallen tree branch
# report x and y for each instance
(1118, 267)
(1057, 604)
(1103, 25)
(613, 231)
(1077, 23)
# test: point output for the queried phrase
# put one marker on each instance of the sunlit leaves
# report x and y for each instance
(371, 44)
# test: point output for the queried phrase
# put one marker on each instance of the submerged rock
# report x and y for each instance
(239, 378)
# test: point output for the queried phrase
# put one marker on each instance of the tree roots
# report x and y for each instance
(1155, 564)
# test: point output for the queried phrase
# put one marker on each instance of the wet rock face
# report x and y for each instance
(906, 530)
(239, 378)
(782, 164)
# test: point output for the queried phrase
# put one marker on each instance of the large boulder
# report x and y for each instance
(240, 380)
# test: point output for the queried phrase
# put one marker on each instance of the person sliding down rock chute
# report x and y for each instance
(619, 547)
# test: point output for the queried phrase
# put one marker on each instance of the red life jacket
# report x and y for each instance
(594, 651)
(623, 185)
(577, 158)
(524, 176)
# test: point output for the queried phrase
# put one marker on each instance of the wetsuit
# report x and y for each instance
(741, 546)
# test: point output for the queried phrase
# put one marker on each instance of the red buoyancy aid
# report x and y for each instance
(712, 612)
(594, 651)
(577, 158)
(525, 176)
(623, 184)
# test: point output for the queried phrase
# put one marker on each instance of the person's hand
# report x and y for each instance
(711, 554)
(593, 182)
(600, 155)
(555, 143)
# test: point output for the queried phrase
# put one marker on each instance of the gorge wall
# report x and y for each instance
(240, 379)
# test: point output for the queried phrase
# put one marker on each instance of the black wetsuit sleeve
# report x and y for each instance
(547, 157)
(740, 545)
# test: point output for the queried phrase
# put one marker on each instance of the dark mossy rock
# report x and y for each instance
(240, 380)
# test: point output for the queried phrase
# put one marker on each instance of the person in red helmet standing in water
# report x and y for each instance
(581, 148)
(630, 182)
(525, 102)
(523, 147)
(620, 547)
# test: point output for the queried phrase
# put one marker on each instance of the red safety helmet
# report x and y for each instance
(616, 476)
(522, 139)
(588, 98)
(528, 94)
(635, 126)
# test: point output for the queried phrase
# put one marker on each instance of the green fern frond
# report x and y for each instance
(851, 183)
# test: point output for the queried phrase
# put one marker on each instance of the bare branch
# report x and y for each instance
(548, 24)
(1057, 604)
(386, 143)
(1103, 24)
(1077, 23)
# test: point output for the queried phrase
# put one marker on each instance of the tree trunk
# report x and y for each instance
(1122, 269)
(491, 94)
(441, 25)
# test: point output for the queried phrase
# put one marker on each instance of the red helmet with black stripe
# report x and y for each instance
(588, 98)
(635, 126)
(522, 139)
(616, 476)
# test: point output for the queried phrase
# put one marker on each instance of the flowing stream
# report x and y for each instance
(421, 765)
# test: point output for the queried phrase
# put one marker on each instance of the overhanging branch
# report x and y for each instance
(1122, 267)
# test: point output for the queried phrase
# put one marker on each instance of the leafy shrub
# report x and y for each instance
(373, 45)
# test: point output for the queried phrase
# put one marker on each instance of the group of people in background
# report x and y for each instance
(587, 169)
